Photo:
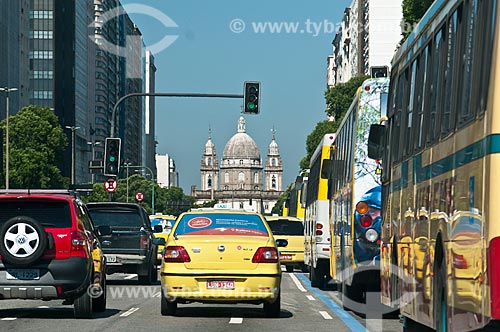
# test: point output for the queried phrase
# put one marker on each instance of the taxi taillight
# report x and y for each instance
(176, 254)
(265, 255)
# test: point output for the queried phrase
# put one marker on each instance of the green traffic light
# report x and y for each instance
(112, 158)
(251, 106)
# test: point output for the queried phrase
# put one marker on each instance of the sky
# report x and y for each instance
(213, 47)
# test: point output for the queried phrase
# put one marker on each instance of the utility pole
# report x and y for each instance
(7, 90)
(73, 129)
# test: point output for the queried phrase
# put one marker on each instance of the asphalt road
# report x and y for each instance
(133, 307)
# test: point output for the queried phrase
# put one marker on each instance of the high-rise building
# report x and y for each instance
(368, 36)
(167, 175)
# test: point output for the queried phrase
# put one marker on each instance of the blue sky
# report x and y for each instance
(208, 57)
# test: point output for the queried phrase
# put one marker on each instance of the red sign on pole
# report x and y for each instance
(110, 185)
(139, 197)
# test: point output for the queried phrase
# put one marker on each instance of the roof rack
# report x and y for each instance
(39, 191)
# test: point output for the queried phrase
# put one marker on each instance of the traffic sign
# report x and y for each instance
(110, 185)
(139, 197)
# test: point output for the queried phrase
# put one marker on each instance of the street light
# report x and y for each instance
(73, 129)
(92, 150)
(7, 90)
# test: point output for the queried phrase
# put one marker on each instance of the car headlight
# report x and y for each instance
(371, 235)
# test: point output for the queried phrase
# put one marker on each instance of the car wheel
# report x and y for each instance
(154, 274)
(22, 241)
(99, 302)
(83, 305)
(146, 279)
(273, 310)
(289, 268)
(167, 308)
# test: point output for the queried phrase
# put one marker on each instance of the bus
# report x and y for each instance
(440, 153)
(292, 204)
(316, 230)
(355, 197)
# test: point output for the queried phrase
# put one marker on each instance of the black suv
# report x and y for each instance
(49, 249)
(131, 247)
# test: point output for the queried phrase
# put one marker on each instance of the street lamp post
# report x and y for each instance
(7, 90)
(127, 166)
(92, 150)
(73, 129)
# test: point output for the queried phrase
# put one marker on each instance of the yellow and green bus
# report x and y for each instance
(440, 152)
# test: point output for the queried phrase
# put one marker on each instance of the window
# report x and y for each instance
(241, 162)
(226, 177)
(447, 123)
(256, 177)
(273, 182)
(209, 161)
(241, 177)
(209, 181)
(435, 89)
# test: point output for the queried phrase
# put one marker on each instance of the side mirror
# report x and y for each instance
(103, 230)
(159, 241)
(281, 243)
(157, 228)
(376, 141)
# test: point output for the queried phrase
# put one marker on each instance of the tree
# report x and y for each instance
(314, 138)
(36, 145)
(339, 97)
(413, 10)
(278, 207)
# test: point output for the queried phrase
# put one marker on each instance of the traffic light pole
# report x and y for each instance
(161, 94)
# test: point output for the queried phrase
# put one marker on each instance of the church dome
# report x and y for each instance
(241, 145)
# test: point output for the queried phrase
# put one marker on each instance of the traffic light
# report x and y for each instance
(112, 156)
(252, 98)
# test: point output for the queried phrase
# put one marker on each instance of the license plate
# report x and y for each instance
(18, 274)
(111, 259)
(286, 257)
(220, 284)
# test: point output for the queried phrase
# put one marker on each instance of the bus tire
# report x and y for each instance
(440, 294)
(316, 276)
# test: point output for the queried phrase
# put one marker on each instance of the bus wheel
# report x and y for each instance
(440, 299)
(316, 276)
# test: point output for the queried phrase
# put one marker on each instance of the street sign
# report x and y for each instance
(110, 185)
(139, 197)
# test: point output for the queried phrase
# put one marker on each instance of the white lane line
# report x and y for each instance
(9, 318)
(325, 315)
(132, 276)
(236, 320)
(43, 307)
(311, 298)
(129, 312)
(297, 283)
(157, 294)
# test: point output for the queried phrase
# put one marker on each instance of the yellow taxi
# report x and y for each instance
(221, 256)
(290, 229)
(165, 221)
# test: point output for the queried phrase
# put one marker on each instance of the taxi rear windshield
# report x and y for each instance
(284, 227)
(221, 224)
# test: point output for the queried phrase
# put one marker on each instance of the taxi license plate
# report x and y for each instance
(220, 284)
(110, 259)
(286, 257)
(24, 274)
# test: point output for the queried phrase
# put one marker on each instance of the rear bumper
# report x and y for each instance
(127, 263)
(247, 288)
(64, 278)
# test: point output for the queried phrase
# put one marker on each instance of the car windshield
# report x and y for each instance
(221, 224)
(285, 227)
(116, 218)
(51, 214)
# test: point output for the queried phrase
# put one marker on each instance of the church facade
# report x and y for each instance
(241, 180)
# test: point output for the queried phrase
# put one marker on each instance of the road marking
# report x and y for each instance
(311, 298)
(129, 312)
(297, 283)
(43, 307)
(283, 268)
(325, 315)
(236, 320)
(9, 318)
(132, 276)
(157, 294)
(349, 320)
